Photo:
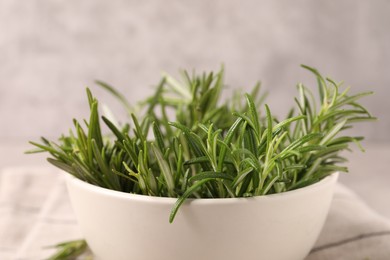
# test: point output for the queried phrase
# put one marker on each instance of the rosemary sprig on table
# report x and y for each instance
(186, 142)
(70, 250)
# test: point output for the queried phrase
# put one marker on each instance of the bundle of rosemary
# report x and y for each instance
(185, 142)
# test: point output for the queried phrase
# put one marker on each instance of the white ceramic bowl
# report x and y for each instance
(122, 226)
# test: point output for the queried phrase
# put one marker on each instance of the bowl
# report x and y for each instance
(124, 226)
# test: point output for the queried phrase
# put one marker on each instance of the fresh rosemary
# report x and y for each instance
(71, 250)
(185, 142)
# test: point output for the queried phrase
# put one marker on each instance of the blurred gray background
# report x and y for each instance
(51, 50)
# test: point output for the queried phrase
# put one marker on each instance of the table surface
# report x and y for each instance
(367, 176)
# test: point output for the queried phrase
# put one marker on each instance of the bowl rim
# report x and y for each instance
(72, 180)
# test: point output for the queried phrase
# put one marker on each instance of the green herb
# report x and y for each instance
(70, 250)
(187, 143)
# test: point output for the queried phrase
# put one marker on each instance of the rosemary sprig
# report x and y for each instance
(70, 250)
(211, 148)
(186, 142)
